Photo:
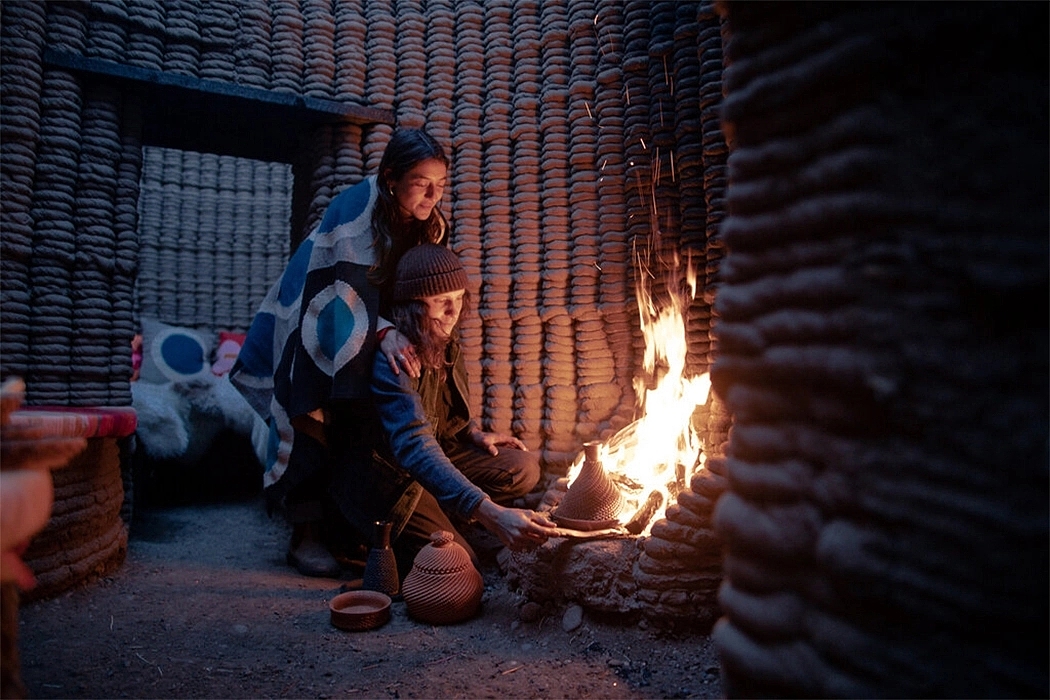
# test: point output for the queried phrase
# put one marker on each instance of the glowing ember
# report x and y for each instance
(659, 452)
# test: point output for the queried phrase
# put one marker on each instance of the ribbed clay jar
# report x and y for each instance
(443, 586)
(593, 501)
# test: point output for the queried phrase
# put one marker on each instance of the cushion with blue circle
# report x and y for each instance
(172, 353)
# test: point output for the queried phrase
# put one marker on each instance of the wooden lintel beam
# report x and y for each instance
(318, 109)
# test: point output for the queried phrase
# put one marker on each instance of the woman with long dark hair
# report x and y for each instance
(308, 354)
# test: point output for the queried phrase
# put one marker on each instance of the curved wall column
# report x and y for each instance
(883, 349)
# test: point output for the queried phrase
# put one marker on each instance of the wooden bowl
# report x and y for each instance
(356, 611)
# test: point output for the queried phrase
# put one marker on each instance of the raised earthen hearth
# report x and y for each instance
(669, 577)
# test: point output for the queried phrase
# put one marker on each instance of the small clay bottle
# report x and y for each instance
(381, 565)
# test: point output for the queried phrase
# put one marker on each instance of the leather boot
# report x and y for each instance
(308, 554)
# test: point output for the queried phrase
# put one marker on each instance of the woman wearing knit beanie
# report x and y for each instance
(436, 461)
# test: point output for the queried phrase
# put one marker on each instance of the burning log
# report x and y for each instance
(645, 513)
(675, 487)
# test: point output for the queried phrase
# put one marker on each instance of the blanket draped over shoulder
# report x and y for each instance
(313, 337)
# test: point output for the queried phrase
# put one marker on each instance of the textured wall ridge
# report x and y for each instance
(885, 518)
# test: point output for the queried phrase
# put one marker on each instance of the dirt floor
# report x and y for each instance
(205, 607)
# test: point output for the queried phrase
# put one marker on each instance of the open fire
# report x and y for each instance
(653, 458)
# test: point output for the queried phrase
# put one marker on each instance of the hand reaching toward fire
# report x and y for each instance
(517, 529)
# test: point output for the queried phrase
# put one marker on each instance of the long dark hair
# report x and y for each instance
(410, 318)
(392, 236)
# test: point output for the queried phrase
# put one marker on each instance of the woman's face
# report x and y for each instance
(443, 310)
(420, 189)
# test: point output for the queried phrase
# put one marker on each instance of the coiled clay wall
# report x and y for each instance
(883, 350)
(213, 235)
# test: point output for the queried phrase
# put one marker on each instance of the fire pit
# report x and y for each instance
(594, 502)
(636, 509)
(668, 577)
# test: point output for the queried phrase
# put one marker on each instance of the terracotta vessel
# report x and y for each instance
(356, 611)
(443, 586)
(381, 566)
(593, 501)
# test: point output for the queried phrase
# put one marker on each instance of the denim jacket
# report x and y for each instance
(406, 416)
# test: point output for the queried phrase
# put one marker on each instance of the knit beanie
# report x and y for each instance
(428, 269)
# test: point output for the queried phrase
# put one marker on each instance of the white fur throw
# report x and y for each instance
(180, 419)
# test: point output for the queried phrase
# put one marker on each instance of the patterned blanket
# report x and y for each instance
(316, 324)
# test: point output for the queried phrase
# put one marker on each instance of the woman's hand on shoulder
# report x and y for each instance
(400, 353)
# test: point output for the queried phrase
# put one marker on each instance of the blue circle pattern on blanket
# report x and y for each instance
(312, 323)
(334, 326)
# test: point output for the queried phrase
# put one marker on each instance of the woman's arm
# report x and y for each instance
(413, 444)
(418, 452)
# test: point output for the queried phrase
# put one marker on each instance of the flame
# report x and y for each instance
(660, 451)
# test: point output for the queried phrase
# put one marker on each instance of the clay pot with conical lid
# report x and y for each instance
(443, 586)
(593, 501)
